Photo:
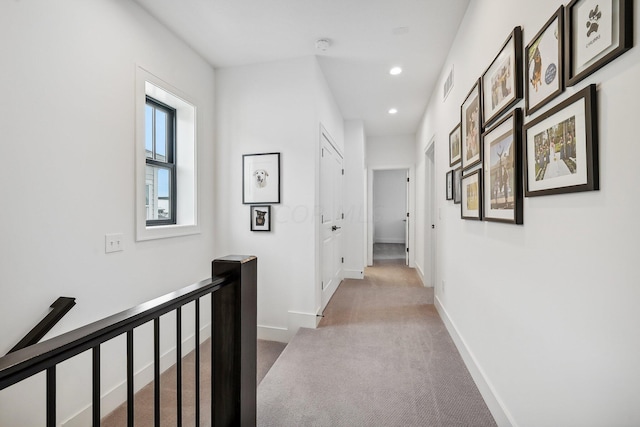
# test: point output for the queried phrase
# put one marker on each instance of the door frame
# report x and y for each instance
(411, 203)
(429, 274)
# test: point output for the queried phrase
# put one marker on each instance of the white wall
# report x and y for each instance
(389, 205)
(354, 199)
(67, 119)
(275, 107)
(545, 313)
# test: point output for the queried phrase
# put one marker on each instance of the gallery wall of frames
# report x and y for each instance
(500, 153)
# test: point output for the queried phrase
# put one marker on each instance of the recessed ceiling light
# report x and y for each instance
(395, 71)
(393, 111)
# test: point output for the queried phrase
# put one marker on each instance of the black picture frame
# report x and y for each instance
(449, 183)
(502, 181)
(455, 146)
(502, 80)
(590, 47)
(544, 57)
(561, 147)
(261, 178)
(471, 203)
(457, 189)
(260, 217)
(471, 127)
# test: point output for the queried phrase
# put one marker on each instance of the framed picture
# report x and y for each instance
(261, 178)
(471, 206)
(471, 127)
(597, 32)
(544, 56)
(561, 147)
(260, 217)
(503, 170)
(457, 189)
(450, 185)
(502, 81)
(454, 146)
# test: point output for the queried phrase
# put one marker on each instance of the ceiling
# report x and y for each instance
(367, 38)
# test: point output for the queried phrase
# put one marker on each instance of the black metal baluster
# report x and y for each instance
(130, 396)
(197, 373)
(179, 365)
(213, 403)
(51, 396)
(156, 371)
(96, 386)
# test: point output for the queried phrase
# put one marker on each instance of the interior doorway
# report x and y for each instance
(390, 215)
(430, 217)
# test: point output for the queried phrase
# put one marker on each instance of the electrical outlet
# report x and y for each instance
(113, 243)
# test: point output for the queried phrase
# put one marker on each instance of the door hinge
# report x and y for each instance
(407, 249)
(343, 260)
(407, 214)
(342, 171)
(407, 179)
(342, 216)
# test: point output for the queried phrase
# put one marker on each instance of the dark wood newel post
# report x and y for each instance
(234, 342)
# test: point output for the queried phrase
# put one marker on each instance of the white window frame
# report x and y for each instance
(148, 84)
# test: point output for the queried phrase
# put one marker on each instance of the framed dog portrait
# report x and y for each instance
(502, 82)
(561, 147)
(471, 206)
(502, 170)
(597, 32)
(260, 218)
(544, 56)
(454, 146)
(471, 127)
(261, 178)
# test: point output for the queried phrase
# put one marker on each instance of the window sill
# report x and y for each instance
(166, 231)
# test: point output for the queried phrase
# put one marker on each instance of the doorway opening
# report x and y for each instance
(390, 215)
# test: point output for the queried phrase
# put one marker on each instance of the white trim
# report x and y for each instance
(497, 407)
(421, 274)
(186, 155)
(273, 333)
(390, 240)
(353, 274)
(113, 398)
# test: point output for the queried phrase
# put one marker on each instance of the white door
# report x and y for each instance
(331, 216)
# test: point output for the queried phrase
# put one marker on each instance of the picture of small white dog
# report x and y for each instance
(261, 178)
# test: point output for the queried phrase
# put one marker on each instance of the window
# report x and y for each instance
(166, 161)
(160, 171)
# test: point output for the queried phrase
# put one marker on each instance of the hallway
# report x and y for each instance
(380, 357)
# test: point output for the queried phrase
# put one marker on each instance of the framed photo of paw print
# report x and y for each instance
(596, 32)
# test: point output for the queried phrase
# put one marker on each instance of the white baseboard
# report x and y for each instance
(389, 240)
(113, 398)
(354, 274)
(273, 333)
(494, 403)
(421, 274)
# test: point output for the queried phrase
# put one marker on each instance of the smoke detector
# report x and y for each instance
(323, 44)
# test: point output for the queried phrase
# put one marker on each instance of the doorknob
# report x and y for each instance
(334, 228)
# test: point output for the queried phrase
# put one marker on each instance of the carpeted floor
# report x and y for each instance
(381, 357)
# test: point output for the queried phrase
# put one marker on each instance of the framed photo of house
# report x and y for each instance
(454, 146)
(597, 32)
(457, 189)
(544, 56)
(471, 206)
(561, 147)
(450, 185)
(260, 217)
(502, 81)
(503, 170)
(471, 127)
(261, 178)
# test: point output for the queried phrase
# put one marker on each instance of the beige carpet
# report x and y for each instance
(381, 357)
